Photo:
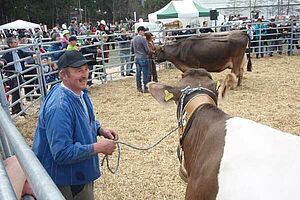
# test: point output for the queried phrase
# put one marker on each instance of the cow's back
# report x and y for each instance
(212, 52)
(259, 163)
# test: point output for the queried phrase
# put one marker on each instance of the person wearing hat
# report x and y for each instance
(65, 140)
(65, 40)
(72, 44)
(140, 48)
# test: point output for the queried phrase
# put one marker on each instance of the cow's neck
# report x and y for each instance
(203, 149)
(198, 134)
(173, 55)
(192, 104)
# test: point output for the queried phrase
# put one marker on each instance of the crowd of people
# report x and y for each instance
(69, 152)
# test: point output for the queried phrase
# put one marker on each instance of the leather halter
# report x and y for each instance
(192, 105)
(184, 114)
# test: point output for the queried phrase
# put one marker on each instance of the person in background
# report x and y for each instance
(124, 44)
(56, 48)
(73, 27)
(73, 44)
(23, 40)
(65, 40)
(140, 48)
(260, 36)
(205, 28)
(151, 56)
(272, 35)
(16, 68)
(65, 140)
(92, 58)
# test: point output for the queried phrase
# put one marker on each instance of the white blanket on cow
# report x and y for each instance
(259, 163)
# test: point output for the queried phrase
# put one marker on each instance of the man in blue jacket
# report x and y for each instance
(65, 138)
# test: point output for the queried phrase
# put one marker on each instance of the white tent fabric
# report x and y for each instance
(185, 11)
(19, 24)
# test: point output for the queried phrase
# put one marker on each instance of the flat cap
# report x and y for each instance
(71, 59)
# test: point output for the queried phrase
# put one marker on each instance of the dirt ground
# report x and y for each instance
(269, 95)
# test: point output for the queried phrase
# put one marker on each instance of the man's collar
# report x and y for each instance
(64, 86)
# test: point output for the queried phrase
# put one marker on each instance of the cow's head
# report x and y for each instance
(193, 78)
(160, 55)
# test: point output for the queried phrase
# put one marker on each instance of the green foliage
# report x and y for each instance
(61, 11)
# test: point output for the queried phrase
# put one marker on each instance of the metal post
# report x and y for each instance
(292, 36)
(3, 101)
(40, 72)
(5, 106)
(6, 189)
(250, 15)
(42, 184)
(102, 54)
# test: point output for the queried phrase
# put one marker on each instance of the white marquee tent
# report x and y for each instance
(19, 24)
(183, 10)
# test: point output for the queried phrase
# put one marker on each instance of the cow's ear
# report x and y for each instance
(229, 82)
(162, 93)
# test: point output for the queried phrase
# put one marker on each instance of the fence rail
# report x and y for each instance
(32, 84)
(42, 184)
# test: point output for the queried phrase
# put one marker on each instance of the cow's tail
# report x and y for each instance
(249, 65)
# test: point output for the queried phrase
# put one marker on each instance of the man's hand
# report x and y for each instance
(109, 134)
(99, 51)
(34, 56)
(1, 64)
(27, 190)
(105, 146)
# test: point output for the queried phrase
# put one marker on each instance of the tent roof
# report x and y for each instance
(19, 24)
(180, 9)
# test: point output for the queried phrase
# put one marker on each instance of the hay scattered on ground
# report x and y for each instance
(269, 95)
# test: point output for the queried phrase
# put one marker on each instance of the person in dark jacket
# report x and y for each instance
(16, 68)
(205, 28)
(92, 51)
(272, 35)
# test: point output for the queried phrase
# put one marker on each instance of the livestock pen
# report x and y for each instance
(269, 95)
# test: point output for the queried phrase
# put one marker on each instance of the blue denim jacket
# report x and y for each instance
(64, 136)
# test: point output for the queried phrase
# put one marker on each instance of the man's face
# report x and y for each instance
(13, 44)
(73, 42)
(75, 78)
(142, 33)
(23, 40)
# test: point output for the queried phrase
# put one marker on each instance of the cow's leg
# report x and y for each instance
(238, 68)
(199, 190)
(191, 191)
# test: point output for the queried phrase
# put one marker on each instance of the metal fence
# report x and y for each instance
(26, 89)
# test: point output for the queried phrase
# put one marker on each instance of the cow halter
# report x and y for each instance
(204, 96)
(185, 111)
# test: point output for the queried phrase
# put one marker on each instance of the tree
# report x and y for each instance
(61, 11)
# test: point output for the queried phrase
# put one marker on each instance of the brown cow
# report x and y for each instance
(228, 157)
(214, 52)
